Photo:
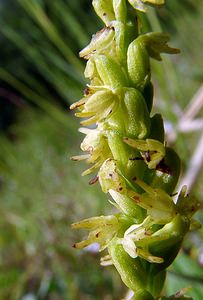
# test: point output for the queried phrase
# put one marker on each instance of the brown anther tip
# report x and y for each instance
(178, 294)
(136, 198)
(103, 29)
(120, 189)
(147, 155)
(74, 246)
(85, 56)
(136, 158)
(134, 178)
(192, 208)
(94, 180)
(97, 235)
(73, 158)
(174, 194)
(86, 91)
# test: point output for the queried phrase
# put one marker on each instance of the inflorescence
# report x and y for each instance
(126, 148)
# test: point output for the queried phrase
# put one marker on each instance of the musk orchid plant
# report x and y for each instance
(126, 148)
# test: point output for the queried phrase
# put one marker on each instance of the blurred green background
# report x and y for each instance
(41, 190)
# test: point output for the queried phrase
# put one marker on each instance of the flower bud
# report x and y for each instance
(104, 9)
(120, 10)
(132, 117)
(150, 44)
(138, 64)
(110, 72)
(130, 269)
(124, 155)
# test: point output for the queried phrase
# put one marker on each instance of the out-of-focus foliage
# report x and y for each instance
(41, 194)
(41, 191)
(185, 272)
(182, 77)
(40, 41)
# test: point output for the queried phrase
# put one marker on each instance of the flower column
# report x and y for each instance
(126, 148)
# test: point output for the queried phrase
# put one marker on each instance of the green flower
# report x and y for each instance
(109, 177)
(102, 42)
(139, 232)
(102, 230)
(98, 106)
(148, 237)
(96, 145)
(151, 150)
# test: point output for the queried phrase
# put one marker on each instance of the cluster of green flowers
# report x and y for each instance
(126, 148)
